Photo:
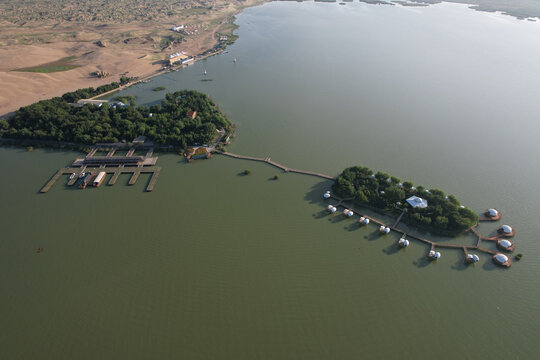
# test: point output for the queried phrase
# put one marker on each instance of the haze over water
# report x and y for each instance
(212, 265)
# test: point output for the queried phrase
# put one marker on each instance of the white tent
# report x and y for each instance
(501, 258)
(493, 212)
(416, 201)
(505, 244)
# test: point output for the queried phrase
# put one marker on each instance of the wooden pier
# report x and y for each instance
(116, 175)
(111, 164)
(275, 164)
(116, 171)
(153, 180)
(51, 182)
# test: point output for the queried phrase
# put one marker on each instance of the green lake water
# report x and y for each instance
(214, 265)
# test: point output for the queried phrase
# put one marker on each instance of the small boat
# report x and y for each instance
(81, 175)
(204, 72)
(72, 176)
(234, 60)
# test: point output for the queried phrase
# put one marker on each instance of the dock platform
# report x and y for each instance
(116, 171)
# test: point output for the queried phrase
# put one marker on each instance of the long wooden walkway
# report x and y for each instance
(275, 164)
(432, 244)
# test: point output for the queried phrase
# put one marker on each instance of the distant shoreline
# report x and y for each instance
(44, 86)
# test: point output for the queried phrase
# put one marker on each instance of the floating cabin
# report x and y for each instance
(492, 212)
(331, 209)
(197, 153)
(472, 258)
(403, 242)
(348, 213)
(506, 230)
(326, 195)
(505, 245)
(384, 230)
(491, 215)
(364, 221)
(502, 260)
(434, 255)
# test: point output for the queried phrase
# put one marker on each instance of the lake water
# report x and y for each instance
(213, 265)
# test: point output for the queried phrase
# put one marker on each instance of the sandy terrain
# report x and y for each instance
(23, 88)
(134, 49)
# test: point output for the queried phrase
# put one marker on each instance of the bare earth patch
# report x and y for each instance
(36, 38)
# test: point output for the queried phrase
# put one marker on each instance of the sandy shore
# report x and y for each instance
(137, 55)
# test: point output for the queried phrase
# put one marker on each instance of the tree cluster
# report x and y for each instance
(165, 123)
(74, 96)
(382, 191)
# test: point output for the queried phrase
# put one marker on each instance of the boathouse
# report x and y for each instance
(197, 153)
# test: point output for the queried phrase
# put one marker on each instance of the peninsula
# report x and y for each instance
(183, 118)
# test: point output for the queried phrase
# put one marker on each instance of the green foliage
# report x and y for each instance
(74, 96)
(159, 88)
(383, 191)
(63, 64)
(56, 119)
(408, 185)
(124, 80)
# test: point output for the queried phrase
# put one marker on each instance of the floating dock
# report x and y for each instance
(110, 164)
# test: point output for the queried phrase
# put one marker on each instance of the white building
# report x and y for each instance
(418, 202)
(177, 28)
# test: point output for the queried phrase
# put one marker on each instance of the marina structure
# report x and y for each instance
(94, 169)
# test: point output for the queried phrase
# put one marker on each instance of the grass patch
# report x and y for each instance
(63, 64)
(159, 88)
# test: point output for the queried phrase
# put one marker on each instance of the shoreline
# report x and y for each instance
(143, 77)
(136, 62)
(42, 84)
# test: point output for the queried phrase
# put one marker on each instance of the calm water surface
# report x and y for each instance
(213, 265)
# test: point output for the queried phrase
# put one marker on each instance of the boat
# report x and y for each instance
(81, 175)
(72, 176)
(84, 181)
(99, 179)
(234, 60)
(204, 72)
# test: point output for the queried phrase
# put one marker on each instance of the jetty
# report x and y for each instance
(269, 161)
(111, 164)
